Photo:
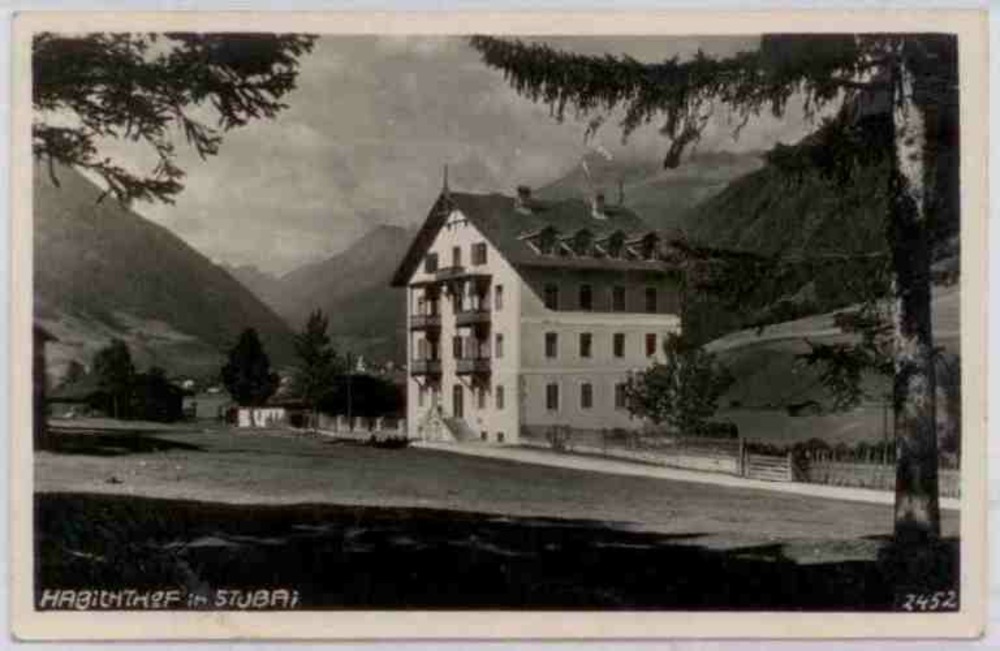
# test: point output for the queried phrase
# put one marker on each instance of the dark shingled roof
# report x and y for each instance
(505, 227)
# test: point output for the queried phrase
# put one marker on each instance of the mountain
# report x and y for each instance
(662, 197)
(102, 271)
(366, 315)
(771, 379)
(770, 212)
(264, 285)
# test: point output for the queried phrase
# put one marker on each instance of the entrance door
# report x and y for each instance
(458, 409)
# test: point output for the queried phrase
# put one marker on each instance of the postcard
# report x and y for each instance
(477, 325)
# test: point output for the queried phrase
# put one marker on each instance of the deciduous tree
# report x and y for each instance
(683, 391)
(115, 373)
(75, 371)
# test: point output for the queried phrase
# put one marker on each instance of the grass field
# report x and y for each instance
(771, 377)
(354, 526)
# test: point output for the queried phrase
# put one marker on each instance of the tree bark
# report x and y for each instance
(917, 516)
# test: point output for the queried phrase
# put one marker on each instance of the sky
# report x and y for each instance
(367, 134)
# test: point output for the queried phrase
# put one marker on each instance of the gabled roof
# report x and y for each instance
(509, 231)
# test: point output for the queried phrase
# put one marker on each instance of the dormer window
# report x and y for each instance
(615, 244)
(648, 246)
(583, 242)
(547, 240)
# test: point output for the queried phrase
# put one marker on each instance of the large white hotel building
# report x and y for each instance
(523, 314)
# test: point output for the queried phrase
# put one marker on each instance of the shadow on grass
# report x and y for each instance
(112, 444)
(371, 557)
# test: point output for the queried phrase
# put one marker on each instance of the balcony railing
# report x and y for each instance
(451, 273)
(472, 365)
(425, 367)
(472, 317)
(425, 321)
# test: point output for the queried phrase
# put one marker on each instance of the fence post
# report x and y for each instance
(791, 470)
(741, 463)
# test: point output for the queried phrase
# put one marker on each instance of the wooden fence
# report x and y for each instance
(859, 466)
(767, 467)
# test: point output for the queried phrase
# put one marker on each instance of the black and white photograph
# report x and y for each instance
(499, 321)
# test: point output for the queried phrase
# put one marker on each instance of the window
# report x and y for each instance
(481, 399)
(483, 435)
(618, 299)
(620, 396)
(420, 396)
(616, 244)
(551, 345)
(479, 253)
(499, 437)
(586, 395)
(498, 348)
(547, 240)
(456, 347)
(458, 401)
(586, 341)
(650, 344)
(500, 396)
(498, 298)
(651, 300)
(586, 297)
(619, 344)
(552, 297)
(431, 263)
(456, 256)
(552, 396)
(648, 247)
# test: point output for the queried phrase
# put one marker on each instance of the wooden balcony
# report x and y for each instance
(472, 366)
(425, 321)
(473, 317)
(459, 273)
(425, 367)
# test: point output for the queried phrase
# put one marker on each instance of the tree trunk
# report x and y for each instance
(917, 517)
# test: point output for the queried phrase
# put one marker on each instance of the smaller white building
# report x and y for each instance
(261, 417)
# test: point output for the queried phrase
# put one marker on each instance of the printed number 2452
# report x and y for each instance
(930, 601)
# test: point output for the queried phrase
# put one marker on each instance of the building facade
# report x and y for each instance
(524, 314)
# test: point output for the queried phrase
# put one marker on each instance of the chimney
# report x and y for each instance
(597, 208)
(523, 200)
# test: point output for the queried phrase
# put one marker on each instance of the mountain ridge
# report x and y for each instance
(366, 315)
(103, 271)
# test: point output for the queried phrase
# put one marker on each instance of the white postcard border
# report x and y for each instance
(971, 25)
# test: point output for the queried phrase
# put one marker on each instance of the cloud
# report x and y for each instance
(369, 129)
